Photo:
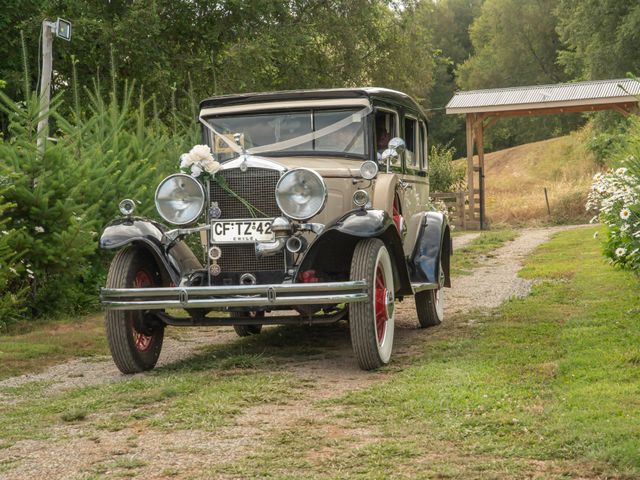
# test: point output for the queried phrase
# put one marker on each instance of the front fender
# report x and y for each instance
(175, 259)
(363, 223)
(332, 251)
(123, 231)
(432, 249)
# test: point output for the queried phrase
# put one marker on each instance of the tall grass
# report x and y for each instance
(515, 180)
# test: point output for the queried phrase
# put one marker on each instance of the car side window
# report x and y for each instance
(386, 129)
(424, 157)
(412, 151)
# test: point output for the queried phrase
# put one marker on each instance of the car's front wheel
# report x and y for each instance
(372, 322)
(135, 343)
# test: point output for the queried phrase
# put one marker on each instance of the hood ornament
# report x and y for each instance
(238, 139)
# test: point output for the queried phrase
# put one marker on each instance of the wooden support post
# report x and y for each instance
(470, 172)
(546, 199)
(480, 146)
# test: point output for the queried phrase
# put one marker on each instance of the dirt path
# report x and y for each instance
(331, 376)
(182, 344)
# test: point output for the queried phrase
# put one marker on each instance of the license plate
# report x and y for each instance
(248, 231)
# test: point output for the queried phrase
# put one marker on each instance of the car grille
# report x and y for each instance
(256, 185)
(242, 258)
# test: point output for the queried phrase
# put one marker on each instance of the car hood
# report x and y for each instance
(325, 166)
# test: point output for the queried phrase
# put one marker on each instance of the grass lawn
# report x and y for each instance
(555, 376)
(203, 392)
(544, 387)
(31, 347)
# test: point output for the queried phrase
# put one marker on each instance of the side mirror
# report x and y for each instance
(398, 145)
(392, 154)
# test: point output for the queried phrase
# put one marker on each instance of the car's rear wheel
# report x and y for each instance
(430, 304)
(134, 341)
(372, 322)
(247, 330)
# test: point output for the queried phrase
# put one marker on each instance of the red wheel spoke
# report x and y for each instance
(142, 280)
(380, 297)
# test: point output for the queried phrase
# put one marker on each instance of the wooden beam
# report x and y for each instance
(530, 112)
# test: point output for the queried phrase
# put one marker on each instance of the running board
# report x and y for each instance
(419, 287)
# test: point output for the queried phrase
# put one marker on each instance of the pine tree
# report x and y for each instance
(51, 224)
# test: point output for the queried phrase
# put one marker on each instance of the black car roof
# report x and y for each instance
(372, 93)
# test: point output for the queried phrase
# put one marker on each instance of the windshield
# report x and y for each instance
(327, 132)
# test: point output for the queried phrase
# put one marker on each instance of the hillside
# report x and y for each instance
(515, 179)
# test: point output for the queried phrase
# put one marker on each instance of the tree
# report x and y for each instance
(600, 38)
(448, 22)
(515, 43)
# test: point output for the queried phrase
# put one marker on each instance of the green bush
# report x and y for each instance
(444, 175)
(54, 205)
(12, 272)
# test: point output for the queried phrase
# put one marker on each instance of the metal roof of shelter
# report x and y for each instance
(579, 96)
(483, 108)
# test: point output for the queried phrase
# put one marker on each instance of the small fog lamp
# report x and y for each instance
(360, 198)
(127, 207)
(215, 253)
(369, 170)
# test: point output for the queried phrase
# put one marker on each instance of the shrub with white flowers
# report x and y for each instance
(615, 198)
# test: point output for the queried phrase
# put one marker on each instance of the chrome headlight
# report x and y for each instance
(180, 199)
(301, 193)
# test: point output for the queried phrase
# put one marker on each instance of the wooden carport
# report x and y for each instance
(484, 107)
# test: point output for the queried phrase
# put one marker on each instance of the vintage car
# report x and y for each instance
(310, 206)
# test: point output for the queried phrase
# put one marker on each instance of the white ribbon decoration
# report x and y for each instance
(292, 142)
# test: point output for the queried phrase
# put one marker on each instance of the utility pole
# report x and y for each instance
(62, 29)
(45, 85)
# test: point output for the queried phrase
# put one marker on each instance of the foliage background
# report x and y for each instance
(126, 90)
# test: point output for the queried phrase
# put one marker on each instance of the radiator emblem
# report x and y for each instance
(214, 210)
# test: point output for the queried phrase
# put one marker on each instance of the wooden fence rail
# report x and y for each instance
(455, 202)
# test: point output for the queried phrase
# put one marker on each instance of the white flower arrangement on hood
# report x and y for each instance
(198, 160)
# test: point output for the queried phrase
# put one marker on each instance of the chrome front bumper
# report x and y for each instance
(280, 295)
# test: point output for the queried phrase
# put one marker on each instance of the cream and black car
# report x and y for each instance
(317, 212)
